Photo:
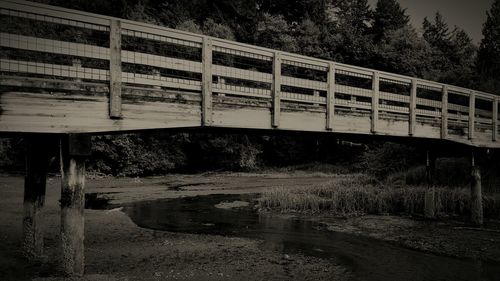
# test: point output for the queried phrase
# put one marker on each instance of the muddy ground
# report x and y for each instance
(116, 249)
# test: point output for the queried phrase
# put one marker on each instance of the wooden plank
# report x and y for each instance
(293, 59)
(303, 83)
(375, 101)
(393, 97)
(161, 81)
(330, 97)
(115, 70)
(394, 109)
(444, 113)
(206, 102)
(242, 47)
(429, 103)
(472, 114)
(395, 77)
(276, 89)
(239, 73)
(354, 69)
(495, 119)
(302, 98)
(161, 61)
(413, 107)
(71, 16)
(53, 69)
(160, 35)
(52, 46)
(241, 91)
(353, 91)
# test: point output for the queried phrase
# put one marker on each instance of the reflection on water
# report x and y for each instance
(367, 258)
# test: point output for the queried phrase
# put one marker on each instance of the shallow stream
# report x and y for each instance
(367, 258)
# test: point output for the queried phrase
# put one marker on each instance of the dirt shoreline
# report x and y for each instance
(116, 249)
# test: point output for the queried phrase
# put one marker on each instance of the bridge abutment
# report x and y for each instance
(74, 150)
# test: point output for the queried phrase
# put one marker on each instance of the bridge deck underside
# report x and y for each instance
(70, 111)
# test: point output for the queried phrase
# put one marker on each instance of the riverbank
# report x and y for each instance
(117, 249)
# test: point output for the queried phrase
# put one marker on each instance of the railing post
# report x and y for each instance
(444, 113)
(206, 100)
(115, 69)
(375, 99)
(330, 97)
(413, 107)
(276, 90)
(472, 114)
(495, 119)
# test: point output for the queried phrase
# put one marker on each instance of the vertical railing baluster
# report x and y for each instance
(444, 113)
(330, 96)
(472, 114)
(375, 101)
(495, 118)
(115, 69)
(206, 92)
(276, 90)
(413, 107)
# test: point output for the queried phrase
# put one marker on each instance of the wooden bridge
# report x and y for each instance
(65, 72)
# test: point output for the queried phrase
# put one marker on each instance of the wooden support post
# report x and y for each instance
(476, 207)
(413, 108)
(115, 70)
(37, 161)
(495, 119)
(276, 90)
(472, 114)
(430, 197)
(330, 97)
(375, 101)
(206, 100)
(444, 113)
(74, 150)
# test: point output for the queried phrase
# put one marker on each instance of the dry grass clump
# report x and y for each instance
(358, 194)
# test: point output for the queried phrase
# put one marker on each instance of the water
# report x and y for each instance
(367, 258)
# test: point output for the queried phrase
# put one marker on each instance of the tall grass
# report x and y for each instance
(358, 194)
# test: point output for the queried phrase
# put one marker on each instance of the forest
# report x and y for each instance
(346, 31)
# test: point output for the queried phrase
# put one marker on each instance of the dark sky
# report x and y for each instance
(467, 14)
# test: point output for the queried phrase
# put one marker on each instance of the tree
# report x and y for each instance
(488, 59)
(452, 52)
(388, 16)
(309, 38)
(403, 51)
(274, 32)
(437, 33)
(347, 38)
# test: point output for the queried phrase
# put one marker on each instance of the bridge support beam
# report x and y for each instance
(74, 150)
(37, 159)
(430, 193)
(476, 205)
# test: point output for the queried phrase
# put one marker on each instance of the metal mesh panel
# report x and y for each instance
(47, 47)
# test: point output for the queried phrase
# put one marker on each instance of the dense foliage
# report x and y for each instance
(348, 31)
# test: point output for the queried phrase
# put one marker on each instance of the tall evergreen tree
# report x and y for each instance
(437, 33)
(488, 59)
(388, 16)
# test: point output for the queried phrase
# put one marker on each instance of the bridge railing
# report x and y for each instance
(52, 44)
